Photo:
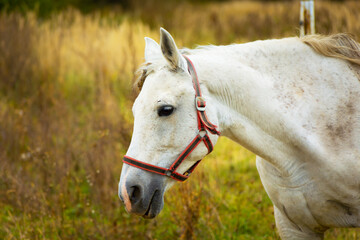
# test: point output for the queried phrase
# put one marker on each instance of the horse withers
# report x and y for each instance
(294, 102)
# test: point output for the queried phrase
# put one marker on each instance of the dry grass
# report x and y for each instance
(65, 100)
(242, 21)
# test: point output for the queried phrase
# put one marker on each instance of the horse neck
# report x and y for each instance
(240, 93)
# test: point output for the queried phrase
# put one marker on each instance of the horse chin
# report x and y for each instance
(155, 206)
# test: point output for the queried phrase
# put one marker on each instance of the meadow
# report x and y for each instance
(66, 91)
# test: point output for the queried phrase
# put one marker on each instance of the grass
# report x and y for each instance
(65, 100)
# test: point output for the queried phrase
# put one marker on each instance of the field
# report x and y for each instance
(65, 122)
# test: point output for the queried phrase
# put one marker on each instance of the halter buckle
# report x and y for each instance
(200, 103)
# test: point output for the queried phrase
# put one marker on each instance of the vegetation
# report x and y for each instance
(65, 122)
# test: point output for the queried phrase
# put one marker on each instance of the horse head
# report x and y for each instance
(170, 126)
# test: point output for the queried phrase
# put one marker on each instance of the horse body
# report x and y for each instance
(298, 111)
(294, 108)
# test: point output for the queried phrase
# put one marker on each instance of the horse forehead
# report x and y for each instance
(164, 78)
(165, 87)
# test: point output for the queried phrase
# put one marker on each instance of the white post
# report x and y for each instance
(307, 17)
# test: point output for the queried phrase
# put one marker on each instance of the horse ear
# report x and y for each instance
(152, 50)
(170, 51)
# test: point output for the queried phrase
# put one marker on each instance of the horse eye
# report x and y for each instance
(166, 110)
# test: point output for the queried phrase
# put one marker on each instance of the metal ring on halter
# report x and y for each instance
(168, 173)
(202, 133)
(200, 99)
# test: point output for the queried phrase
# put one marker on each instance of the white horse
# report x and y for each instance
(294, 102)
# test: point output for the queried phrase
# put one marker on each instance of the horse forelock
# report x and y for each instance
(145, 70)
(141, 74)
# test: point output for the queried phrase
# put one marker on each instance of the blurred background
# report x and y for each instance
(66, 74)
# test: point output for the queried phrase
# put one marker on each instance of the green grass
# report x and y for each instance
(226, 195)
(224, 199)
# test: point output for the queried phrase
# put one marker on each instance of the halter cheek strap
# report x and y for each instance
(204, 125)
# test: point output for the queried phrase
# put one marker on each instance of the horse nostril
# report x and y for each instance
(134, 193)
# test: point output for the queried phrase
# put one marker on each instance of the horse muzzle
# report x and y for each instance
(143, 195)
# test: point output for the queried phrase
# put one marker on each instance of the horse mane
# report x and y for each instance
(340, 45)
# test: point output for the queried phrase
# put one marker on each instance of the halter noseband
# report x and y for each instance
(203, 125)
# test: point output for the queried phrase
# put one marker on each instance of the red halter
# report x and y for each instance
(203, 125)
